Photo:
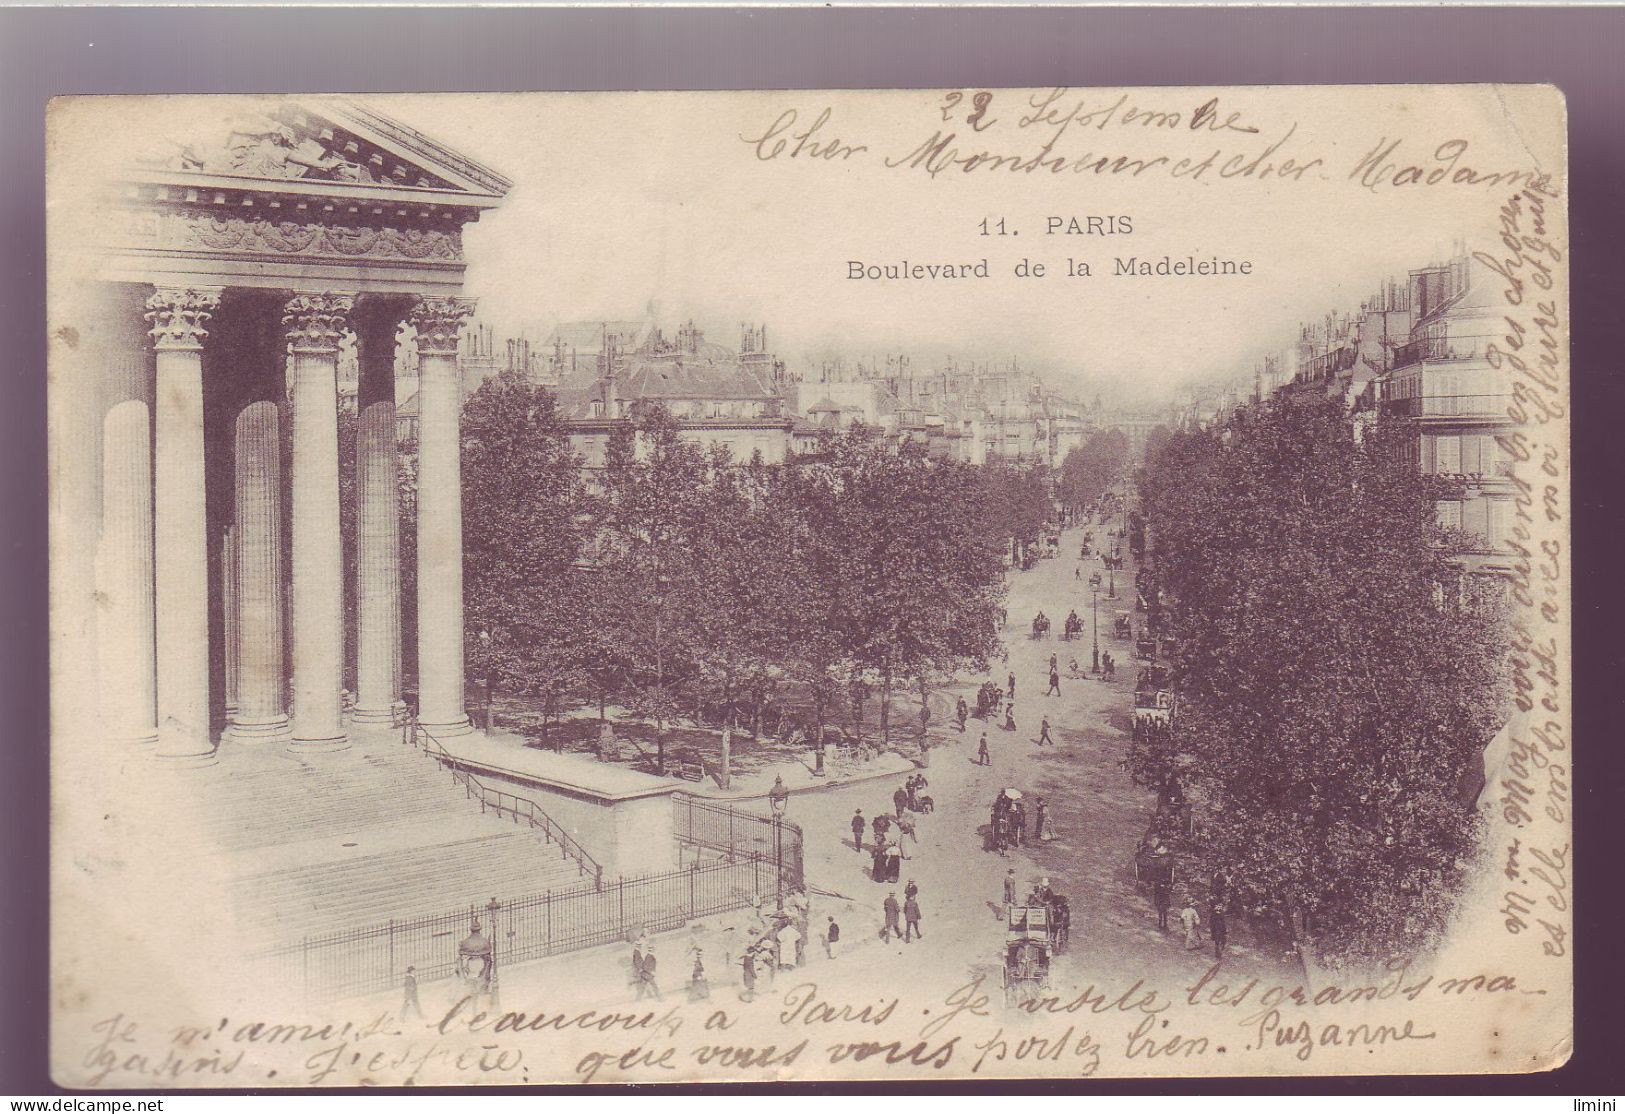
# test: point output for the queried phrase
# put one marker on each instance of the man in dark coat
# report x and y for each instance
(911, 918)
(1161, 898)
(899, 800)
(889, 907)
(1217, 929)
(858, 824)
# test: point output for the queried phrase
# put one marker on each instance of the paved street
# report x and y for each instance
(1097, 812)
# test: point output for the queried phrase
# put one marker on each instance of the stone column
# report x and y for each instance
(315, 325)
(378, 542)
(228, 615)
(438, 322)
(181, 578)
(124, 578)
(262, 708)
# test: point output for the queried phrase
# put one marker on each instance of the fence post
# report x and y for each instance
(730, 833)
(620, 907)
(547, 916)
(392, 948)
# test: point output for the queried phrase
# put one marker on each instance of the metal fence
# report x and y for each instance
(733, 834)
(748, 858)
(374, 959)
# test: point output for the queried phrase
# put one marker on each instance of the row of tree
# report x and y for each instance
(1334, 694)
(676, 579)
(1090, 470)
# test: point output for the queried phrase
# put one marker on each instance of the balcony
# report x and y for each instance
(1432, 349)
(1450, 406)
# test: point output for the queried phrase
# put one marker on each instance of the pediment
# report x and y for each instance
(264, 142)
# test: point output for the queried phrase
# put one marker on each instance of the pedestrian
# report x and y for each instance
(911, 919)
(698, 988)
(1041, 821)
(1192, 920)
(1010, 886)
(910, 890)
(858, 824)
(962, 711)
(1043, 733)
(1010, 688)
(637, 965)
(790, 946)
(1020, 828)
(1054, 682)
(410, 989)
(1053, 658)
(747, 965)
(1010, 716)
(1217, 929)
(889, 908)
(832, 937)
(899, 800)
(894, 860)
(982, 756)
(905, 827)
(646, 976)
(882, 825)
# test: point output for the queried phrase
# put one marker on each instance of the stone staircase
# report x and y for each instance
(351, 840)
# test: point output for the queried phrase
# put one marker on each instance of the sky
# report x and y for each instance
(700, 206)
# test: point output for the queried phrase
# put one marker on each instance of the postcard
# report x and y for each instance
(848, 585)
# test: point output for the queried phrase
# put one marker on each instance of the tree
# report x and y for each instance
(651, 592)
(1330, 705)
(1090, 469)
(523, 531)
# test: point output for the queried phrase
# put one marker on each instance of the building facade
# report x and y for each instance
(233, 272)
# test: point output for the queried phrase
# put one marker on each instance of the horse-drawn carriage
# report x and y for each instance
(1153, 701)
(1123, 625)
(1029, 941)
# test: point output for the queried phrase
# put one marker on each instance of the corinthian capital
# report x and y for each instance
(315, 323)
(439, 323)
(180, 317)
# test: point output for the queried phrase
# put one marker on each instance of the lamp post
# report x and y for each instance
(1094, 614)
(476, 962)
(491, 909)
(778, 797)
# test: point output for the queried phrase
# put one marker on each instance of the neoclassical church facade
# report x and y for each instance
(197, 574)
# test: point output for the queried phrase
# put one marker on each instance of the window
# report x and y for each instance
(1495, 522)
(1447, 455)
(1450, 514)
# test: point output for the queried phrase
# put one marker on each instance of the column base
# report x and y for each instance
(387, 713)
(181, 749)
(462, 726)
(260, 732)
(143, 740)
(329, 745)
(186, 761)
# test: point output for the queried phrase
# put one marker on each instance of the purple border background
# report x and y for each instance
(47, 52)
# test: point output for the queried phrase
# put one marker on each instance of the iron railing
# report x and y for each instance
(373, 959)
(521, 809)
(736, 836)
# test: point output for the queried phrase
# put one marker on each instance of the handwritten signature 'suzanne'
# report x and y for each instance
(813, 138)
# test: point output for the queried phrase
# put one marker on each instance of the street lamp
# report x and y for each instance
(1094, 613)
(476, 962)
(778, 797)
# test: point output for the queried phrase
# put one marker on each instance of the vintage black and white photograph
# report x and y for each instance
(790, 586)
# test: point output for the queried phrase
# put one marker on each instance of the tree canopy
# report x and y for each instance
(1333, 698)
